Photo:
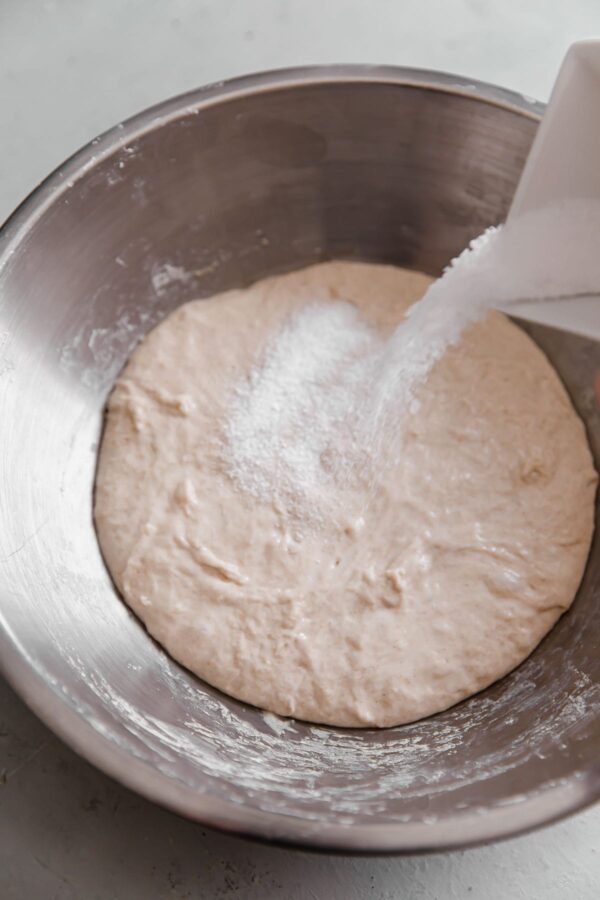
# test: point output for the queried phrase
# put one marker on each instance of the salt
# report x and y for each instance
(283, 416)
(327, 386)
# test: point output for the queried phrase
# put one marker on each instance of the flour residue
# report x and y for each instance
(332, 775)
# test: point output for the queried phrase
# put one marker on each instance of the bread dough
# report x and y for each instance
(466, 555)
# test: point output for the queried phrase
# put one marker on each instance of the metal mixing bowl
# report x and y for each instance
(205, 192)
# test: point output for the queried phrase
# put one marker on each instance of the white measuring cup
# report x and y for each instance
(564, 165)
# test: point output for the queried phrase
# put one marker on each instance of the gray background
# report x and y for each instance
(68, 70)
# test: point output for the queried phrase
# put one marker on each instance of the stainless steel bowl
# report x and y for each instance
(208, 191)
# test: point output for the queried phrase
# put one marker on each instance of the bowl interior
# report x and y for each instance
(207, 192)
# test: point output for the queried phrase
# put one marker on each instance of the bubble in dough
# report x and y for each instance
(467, 554)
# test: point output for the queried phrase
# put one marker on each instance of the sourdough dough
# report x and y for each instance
(466, 555)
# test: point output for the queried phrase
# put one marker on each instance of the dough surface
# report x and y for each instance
(466, 555)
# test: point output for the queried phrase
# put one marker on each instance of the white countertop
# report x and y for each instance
(68, 70)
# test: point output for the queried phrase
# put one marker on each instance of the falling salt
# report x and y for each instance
(328, 394)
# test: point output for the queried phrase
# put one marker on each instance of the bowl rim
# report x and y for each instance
(464, 829)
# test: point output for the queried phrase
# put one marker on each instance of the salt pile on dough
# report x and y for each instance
(246, 521)
(296, 404)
